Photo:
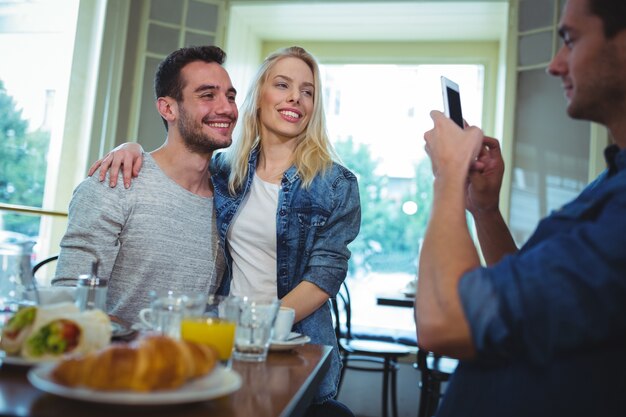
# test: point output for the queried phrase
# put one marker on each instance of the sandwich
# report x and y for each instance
(20, 325)
(60, 335)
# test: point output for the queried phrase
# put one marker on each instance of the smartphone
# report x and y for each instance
(452, 101)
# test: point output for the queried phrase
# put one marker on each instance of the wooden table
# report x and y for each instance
(281, 387)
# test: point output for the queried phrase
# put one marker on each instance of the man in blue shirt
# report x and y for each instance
(540, 331)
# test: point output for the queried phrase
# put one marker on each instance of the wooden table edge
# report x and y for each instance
(301, 400)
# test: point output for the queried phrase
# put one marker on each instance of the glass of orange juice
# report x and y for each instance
(216, 327)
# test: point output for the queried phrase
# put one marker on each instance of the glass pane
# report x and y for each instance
(162, 40)
(547, 171)
(202, 16)
(535, 48)
(151, 130)
(197, 39)
(36, 44)
(535, 14)
(166, 11)
(377, 115)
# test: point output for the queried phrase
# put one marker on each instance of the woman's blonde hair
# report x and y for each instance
(313, 152)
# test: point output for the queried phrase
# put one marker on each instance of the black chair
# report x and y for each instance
(366, 354)
(435, 370)
(40, 264)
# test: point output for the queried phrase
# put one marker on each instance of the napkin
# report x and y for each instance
(53, 295)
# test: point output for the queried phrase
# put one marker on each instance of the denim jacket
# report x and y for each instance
(313, 229)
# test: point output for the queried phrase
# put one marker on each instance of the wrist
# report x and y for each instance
(485, 213)
(452, 176)
(449, 197)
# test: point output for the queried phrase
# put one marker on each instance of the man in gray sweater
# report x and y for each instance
(160, 233)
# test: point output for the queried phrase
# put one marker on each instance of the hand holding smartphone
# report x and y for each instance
(452, 101)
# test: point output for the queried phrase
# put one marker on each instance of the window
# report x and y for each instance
(377, 115)
(36, 43)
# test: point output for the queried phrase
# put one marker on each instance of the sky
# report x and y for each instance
(36, 43)
(387, 107)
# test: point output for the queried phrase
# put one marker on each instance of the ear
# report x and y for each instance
(167, 108)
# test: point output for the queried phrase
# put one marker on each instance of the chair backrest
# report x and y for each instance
(342, 312)
(43, 263)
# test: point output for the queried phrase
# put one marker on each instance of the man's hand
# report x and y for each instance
(485, 178)
(450, 148)
(482, 200)
(128, 156)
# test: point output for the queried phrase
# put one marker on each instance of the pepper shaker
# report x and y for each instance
(91, 291)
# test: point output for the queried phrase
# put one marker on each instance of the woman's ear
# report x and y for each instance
(167, 108)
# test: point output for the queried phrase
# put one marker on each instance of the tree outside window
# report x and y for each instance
(22, 165)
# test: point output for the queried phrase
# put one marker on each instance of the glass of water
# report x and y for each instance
(254, 329)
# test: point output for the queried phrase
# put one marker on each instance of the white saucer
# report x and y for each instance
(119, 330)
(297, 339)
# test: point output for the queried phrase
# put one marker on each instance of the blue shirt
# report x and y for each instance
(313, 229)
(549, 322)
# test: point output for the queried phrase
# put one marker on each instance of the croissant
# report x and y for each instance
(152, 363)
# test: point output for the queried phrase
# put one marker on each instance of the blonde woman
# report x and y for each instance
(286, 211)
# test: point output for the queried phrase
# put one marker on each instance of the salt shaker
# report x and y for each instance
(91, 291)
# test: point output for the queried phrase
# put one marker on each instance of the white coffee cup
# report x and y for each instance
(283, 323)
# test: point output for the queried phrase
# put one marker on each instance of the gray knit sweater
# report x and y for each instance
(154, 235)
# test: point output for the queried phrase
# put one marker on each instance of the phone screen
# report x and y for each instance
(452, 101)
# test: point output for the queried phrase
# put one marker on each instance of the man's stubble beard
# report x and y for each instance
(599, 97)
(194, 139)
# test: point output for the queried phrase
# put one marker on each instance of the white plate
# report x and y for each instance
(297, 339)
(119, 330)
(18, 360)
(221, 381)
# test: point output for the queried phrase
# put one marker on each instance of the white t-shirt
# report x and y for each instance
(252, 242)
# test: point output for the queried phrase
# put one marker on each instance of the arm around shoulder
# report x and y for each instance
(128, 157)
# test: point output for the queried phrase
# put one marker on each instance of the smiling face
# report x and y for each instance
(286, 100)
(207, 112)
(592, 67)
